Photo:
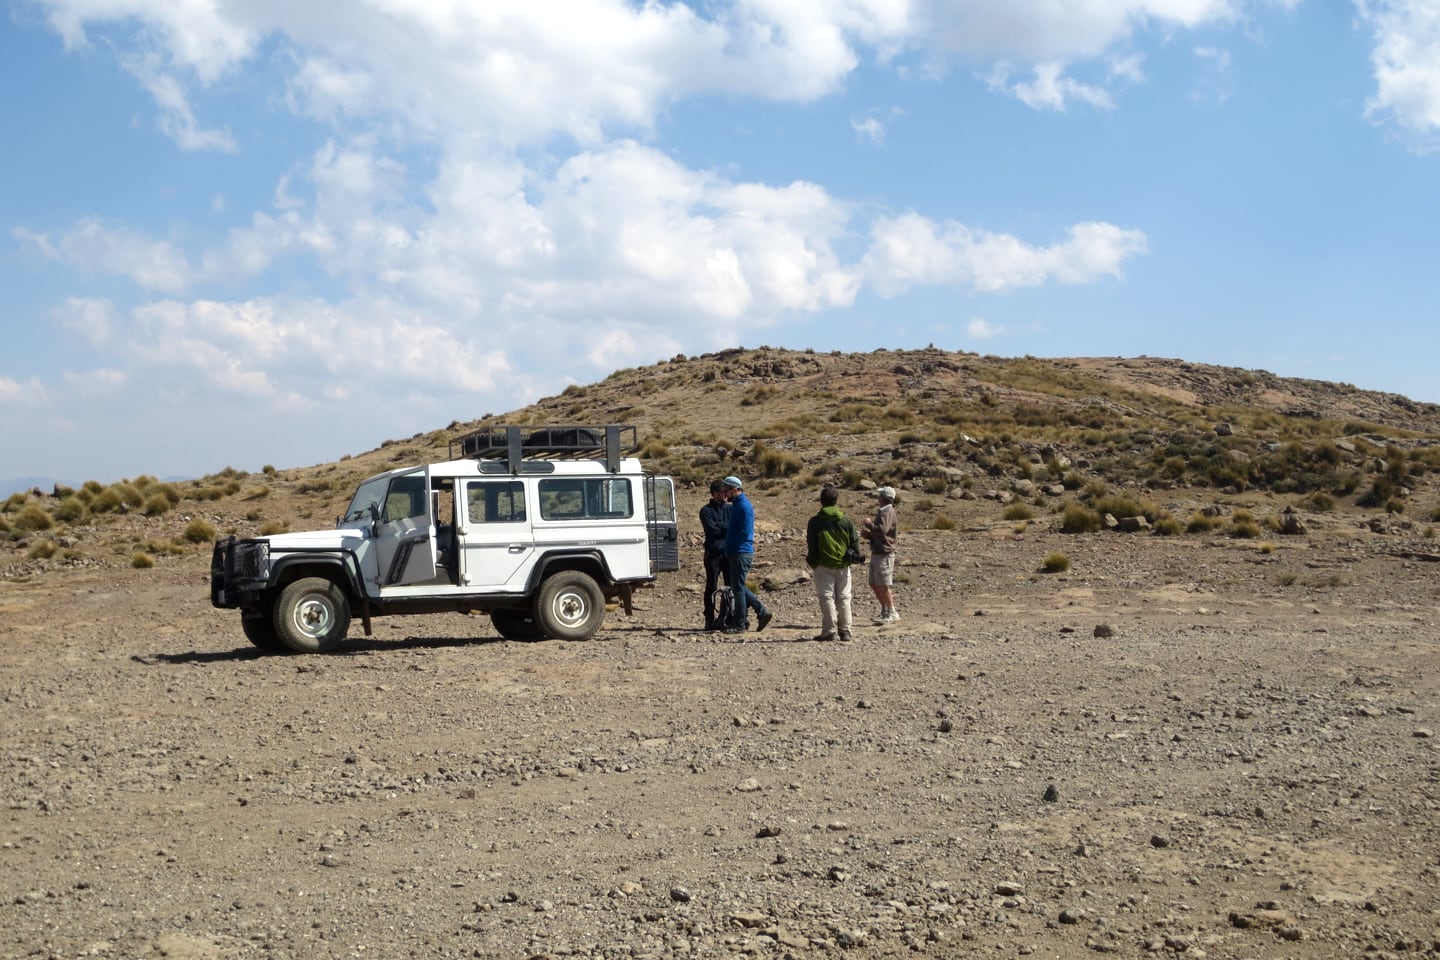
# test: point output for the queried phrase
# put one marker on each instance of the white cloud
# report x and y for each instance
(1215, 83)
(912, 250)
(1406, 61)
(868, 130)
(88, 384)
(981, 329)
(94, 247)
(1050, 89)
(14, 393)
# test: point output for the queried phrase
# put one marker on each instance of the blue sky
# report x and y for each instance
(239, 233)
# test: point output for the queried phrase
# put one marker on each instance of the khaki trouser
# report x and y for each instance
(832, 589)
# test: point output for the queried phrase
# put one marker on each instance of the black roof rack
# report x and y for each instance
(516, 443)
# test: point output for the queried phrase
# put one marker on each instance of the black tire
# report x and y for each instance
(570, 606)
(312, 615)
(261, 632)
(516, 625)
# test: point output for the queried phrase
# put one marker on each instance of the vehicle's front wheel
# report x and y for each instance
(516, 625)
(312, 615)
(260, 630)
(570, 606)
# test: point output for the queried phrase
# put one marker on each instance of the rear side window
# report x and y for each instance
(497, 501)
(586, 498)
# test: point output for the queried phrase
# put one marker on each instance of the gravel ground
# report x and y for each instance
(1244, 767)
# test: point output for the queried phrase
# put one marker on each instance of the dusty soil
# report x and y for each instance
(1246, 768)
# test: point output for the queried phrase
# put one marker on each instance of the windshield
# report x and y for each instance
(367, 501)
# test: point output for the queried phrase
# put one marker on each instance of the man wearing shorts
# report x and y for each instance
(881, 531)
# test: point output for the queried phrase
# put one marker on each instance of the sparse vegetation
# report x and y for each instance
(1078, 518)
(199, 530)
(1055, 563)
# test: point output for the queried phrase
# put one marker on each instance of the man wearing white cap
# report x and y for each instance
(881, 531)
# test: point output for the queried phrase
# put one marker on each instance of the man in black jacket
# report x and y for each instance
(715, 520)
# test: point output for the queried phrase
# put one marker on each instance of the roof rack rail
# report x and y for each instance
(516, 443)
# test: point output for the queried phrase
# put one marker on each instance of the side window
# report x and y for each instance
(589, 498)
(405, 498)
(496, 501)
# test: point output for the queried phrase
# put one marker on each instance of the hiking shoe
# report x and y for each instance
(889, 616)
(825, 638)
(880, 617)
(845, 637)
(733, 630)
(762, 621)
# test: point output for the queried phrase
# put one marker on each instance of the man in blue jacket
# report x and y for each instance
(715, 521)
(739, 554)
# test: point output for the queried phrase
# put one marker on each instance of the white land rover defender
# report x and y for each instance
(541, 527)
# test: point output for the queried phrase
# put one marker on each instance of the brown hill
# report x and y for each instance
(968, 439)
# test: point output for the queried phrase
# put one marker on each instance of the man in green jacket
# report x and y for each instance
(830, 542)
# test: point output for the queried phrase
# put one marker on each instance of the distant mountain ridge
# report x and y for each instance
(22, 484)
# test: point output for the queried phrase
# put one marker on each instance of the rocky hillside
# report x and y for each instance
(1083, 441)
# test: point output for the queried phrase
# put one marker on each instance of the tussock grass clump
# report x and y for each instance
(33, 517)
(156, 504)
(1243, 525)
(141, 560)
(199, 531)
(1166, 525)
(1202, 523)
(43, 550)
(71, 510)
(1055, 562)
(1078, 518)
(943, 522)
(775, 463)
(1019, 511)
(274, 527)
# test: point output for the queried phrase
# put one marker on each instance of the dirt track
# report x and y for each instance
(1247, 768)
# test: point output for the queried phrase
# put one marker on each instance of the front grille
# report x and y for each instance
(250, 561)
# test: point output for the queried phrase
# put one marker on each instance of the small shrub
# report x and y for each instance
(1055, 563)
(1267, 548)
(141, 560)
(943, 522)
(274, 527)
(1319, 502)
(1243, 525)
(1202, 523)
(71, 510)
(775, 463)
(199, 531)
(936, 485)
(33, 517)
(1167, 526)
(128, 493)
(1078, 518)
(156, 504)
(43, 550)
(1019, 511)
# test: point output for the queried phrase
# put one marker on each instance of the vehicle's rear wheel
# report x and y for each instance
(260, 630)
(312, 615)
(570, 606)
(516, 625)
